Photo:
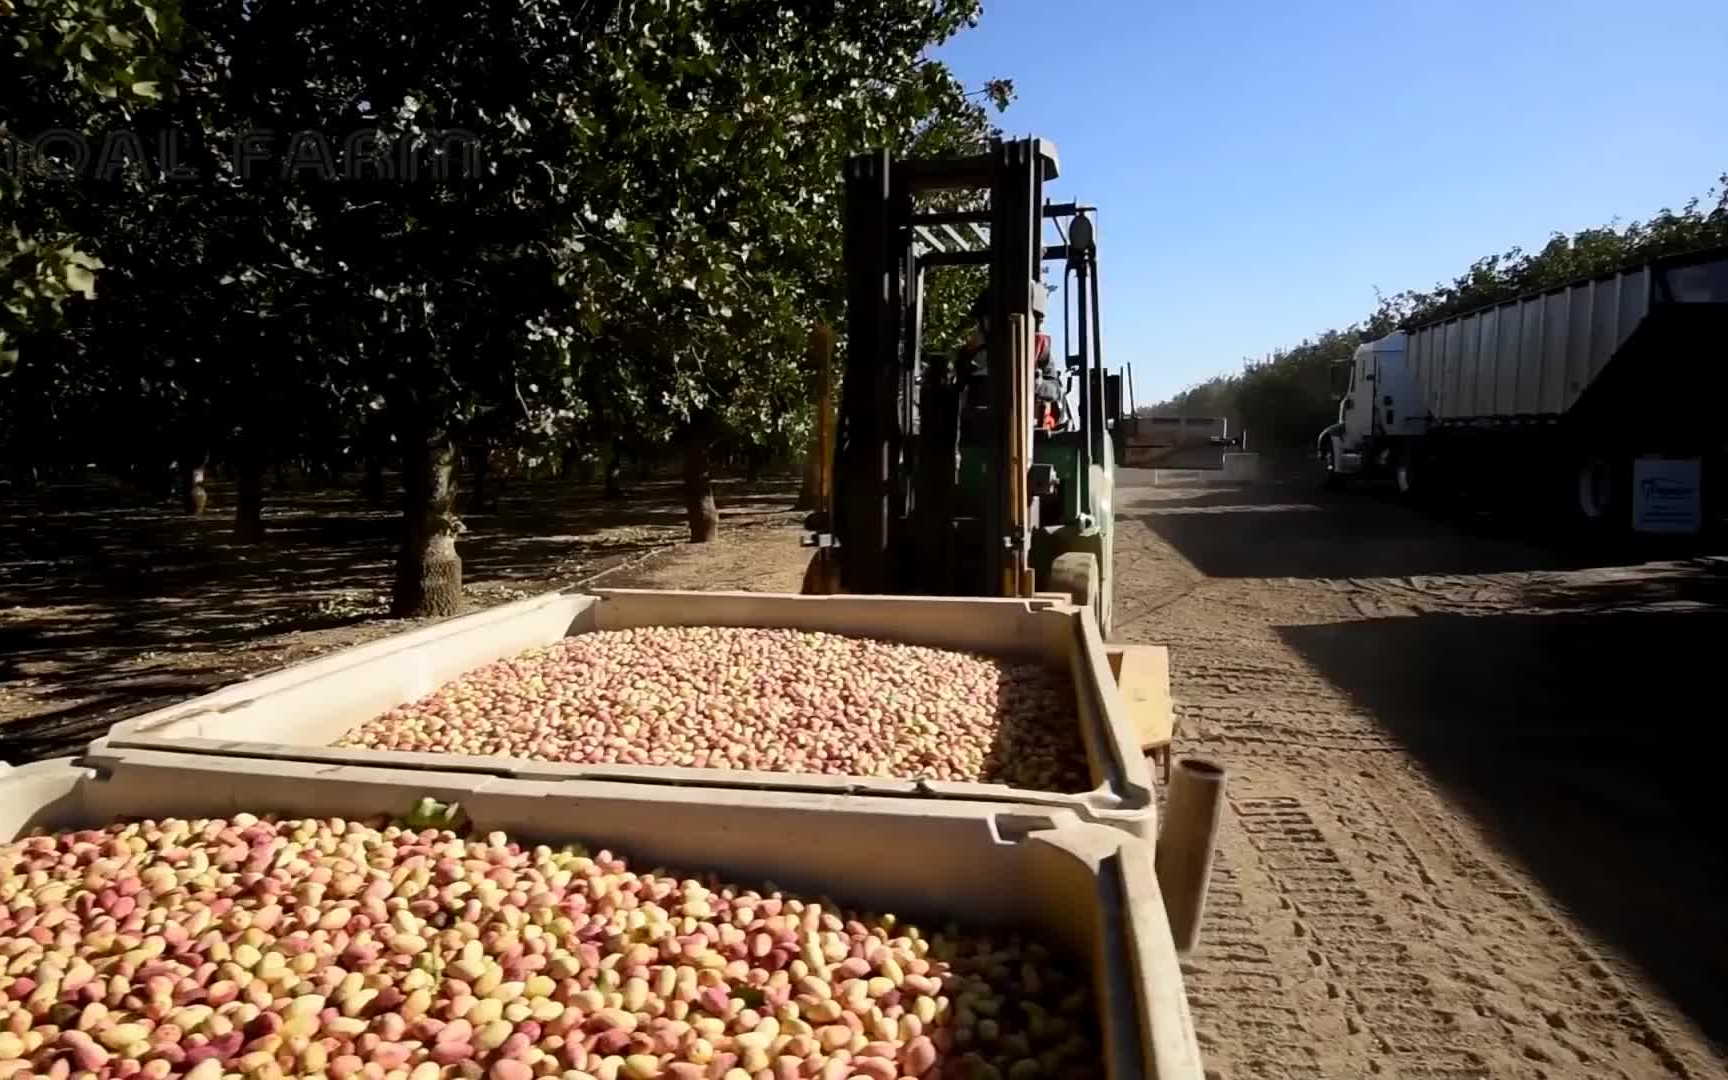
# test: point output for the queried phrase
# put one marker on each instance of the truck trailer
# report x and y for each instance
(1151, 441)
(1599, 401)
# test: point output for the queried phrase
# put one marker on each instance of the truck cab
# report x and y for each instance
(1380, 406)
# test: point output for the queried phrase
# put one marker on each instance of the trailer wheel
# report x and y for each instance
(1407, 476)
(1076, 573)
(1334, 480)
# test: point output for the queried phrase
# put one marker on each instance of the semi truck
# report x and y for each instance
(1599, 401)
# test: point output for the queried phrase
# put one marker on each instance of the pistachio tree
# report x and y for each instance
(67, 67)
(539, 223)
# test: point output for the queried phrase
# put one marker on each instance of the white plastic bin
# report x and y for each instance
(297, 713)
(1080, 886)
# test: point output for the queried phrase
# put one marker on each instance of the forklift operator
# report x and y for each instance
(1049, 399)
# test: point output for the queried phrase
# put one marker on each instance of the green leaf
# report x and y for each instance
(80, 280)
(429, 813)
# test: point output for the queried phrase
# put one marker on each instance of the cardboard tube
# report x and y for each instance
(1187, 844)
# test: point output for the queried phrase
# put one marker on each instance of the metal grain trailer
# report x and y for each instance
(1597, 399)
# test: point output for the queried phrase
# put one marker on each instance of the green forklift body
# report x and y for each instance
(1095, 533)
(1063, 525)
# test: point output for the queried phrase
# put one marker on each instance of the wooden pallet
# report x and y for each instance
(1142, 674)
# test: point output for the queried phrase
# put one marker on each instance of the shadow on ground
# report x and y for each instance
(1271, 531)
(111, 605)
(1582, 736)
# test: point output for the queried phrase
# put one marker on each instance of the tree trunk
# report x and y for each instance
(578, 467)
(428, 570)
(249, 501)
(192, 489)
(373, 484)
(752, 465)
(812, 479)
(699, 491)
(614, 467)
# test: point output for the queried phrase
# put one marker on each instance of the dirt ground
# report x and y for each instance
(111, 606)
(1472, 830)
(1473, 825)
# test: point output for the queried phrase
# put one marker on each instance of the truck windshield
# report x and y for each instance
(1706, 283)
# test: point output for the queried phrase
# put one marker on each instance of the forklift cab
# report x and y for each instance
(1047, 386)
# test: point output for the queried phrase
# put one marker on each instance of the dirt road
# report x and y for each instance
(1471, 831)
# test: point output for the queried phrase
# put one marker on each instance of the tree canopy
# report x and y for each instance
(352, 230)
(66, 66)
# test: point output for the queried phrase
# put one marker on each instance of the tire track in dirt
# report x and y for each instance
(1246, 983)
(1433, 963)
(1388, 1004)
(1561, 983)
(1358, 925)
(1250, 697)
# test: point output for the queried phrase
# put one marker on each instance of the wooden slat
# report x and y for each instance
(1143, 676)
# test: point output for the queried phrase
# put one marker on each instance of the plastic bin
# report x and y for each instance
(1086, 887)
(296, 713)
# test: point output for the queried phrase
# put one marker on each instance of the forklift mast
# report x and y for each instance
(892, 525)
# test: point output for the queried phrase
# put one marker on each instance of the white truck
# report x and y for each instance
(1601, 399)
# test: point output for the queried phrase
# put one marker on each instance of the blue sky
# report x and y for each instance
(1260, 167)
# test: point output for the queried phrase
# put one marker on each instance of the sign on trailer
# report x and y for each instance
(1665, 495)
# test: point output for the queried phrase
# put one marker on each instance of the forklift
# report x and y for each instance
(941, 481)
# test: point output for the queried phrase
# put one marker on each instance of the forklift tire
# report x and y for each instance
(1076, 574)
(821, 576)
